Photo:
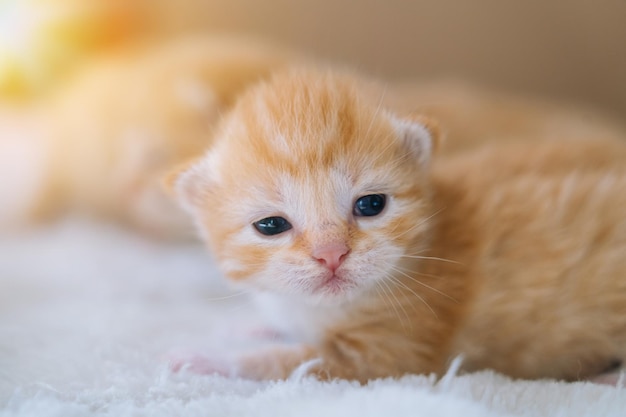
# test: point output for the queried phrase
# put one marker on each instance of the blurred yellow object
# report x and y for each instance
(41, 40)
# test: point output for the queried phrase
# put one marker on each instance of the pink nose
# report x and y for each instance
(332, 255)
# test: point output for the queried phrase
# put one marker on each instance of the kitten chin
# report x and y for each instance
(297, 319)
(382, 262)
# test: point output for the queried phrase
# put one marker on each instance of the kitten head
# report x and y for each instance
(311, 189)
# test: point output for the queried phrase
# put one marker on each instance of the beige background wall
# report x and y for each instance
(571, 49)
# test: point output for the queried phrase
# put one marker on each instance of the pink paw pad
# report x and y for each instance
(610, 378)
(266, 333)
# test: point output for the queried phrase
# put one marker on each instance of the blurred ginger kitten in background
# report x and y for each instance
(104, 142)
(114, 130)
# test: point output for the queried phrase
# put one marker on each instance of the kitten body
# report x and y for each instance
(116, 128)
(473, 116)
(510, 255)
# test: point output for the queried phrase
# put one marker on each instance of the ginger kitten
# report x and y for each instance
(380, 259)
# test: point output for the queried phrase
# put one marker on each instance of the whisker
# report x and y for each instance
(410, 271)
(423, 284)
(394, 163)
(230, 296)
(419, 251)
(433, 258)
(400, 283)
(404, 232)
(399, 304)
(395, 281)
(420, 223)
(388, 302)
(380, 104)
(415, 272)
(403, 285)
(380, 153)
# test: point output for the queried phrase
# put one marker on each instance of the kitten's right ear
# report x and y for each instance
(420, 134)
(189, 183)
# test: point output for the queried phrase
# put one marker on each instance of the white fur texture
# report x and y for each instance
(87, 313)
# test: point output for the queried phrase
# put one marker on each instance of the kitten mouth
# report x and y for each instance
(335, 285)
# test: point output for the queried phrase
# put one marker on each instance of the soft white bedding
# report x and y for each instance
(88, 312)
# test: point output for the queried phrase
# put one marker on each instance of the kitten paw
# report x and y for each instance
(201, 364)
(615, 378)
(267, 333)
(278, 362)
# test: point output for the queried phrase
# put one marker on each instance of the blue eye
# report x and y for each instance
(369, 205)
(271, 226)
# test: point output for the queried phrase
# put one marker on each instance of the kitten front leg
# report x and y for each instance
(271, 363)
(366, 356)
(368, 351)
(359, 357)
(275, 363)
(343, 357)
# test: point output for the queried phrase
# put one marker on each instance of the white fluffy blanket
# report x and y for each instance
(88, 311)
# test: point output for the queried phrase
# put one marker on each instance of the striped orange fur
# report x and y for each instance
(511, 255)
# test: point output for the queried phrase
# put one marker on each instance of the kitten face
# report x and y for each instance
(311, 190)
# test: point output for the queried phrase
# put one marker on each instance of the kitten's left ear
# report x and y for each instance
(420, 134)
(189, 183)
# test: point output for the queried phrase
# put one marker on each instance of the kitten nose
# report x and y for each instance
(332, 255)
